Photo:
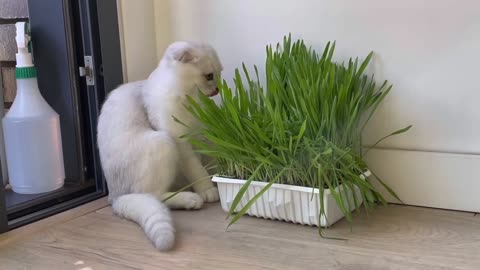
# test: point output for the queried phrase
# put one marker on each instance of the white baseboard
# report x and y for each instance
(441, 180)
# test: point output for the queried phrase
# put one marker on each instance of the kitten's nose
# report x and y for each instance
(215, 92)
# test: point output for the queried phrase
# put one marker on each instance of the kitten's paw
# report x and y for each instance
(210, 195)
(190, 200)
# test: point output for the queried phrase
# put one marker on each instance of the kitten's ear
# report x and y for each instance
(184, 55)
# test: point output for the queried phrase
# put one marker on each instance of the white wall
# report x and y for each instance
(427, 49)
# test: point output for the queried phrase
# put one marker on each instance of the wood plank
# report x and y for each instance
(44, 224)
(9, 84)
(396, 237)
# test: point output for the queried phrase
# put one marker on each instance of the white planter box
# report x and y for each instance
(285, 202)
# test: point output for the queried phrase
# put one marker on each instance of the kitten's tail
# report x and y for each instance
(152, 215)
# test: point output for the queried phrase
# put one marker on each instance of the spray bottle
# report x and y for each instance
(31, 127)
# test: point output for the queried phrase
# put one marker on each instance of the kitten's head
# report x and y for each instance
(197, 63)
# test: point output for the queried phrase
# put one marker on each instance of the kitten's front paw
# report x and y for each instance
(190, 200)
(210, 195)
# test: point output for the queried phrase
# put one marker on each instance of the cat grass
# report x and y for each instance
(303, 126)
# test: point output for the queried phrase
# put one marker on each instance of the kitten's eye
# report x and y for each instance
(209, 76)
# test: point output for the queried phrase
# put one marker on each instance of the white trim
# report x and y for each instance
(440, 180)
(122, 40)
(137, 31)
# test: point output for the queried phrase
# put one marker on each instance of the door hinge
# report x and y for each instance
(87, 71)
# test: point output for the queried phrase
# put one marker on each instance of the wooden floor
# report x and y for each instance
(395, 237)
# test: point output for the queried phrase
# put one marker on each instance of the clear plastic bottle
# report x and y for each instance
(31, 129)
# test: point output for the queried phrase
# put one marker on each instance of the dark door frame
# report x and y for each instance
(63, 30)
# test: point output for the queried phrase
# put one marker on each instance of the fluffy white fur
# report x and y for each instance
(140, 149)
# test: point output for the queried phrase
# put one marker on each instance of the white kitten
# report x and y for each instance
(138, 140)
